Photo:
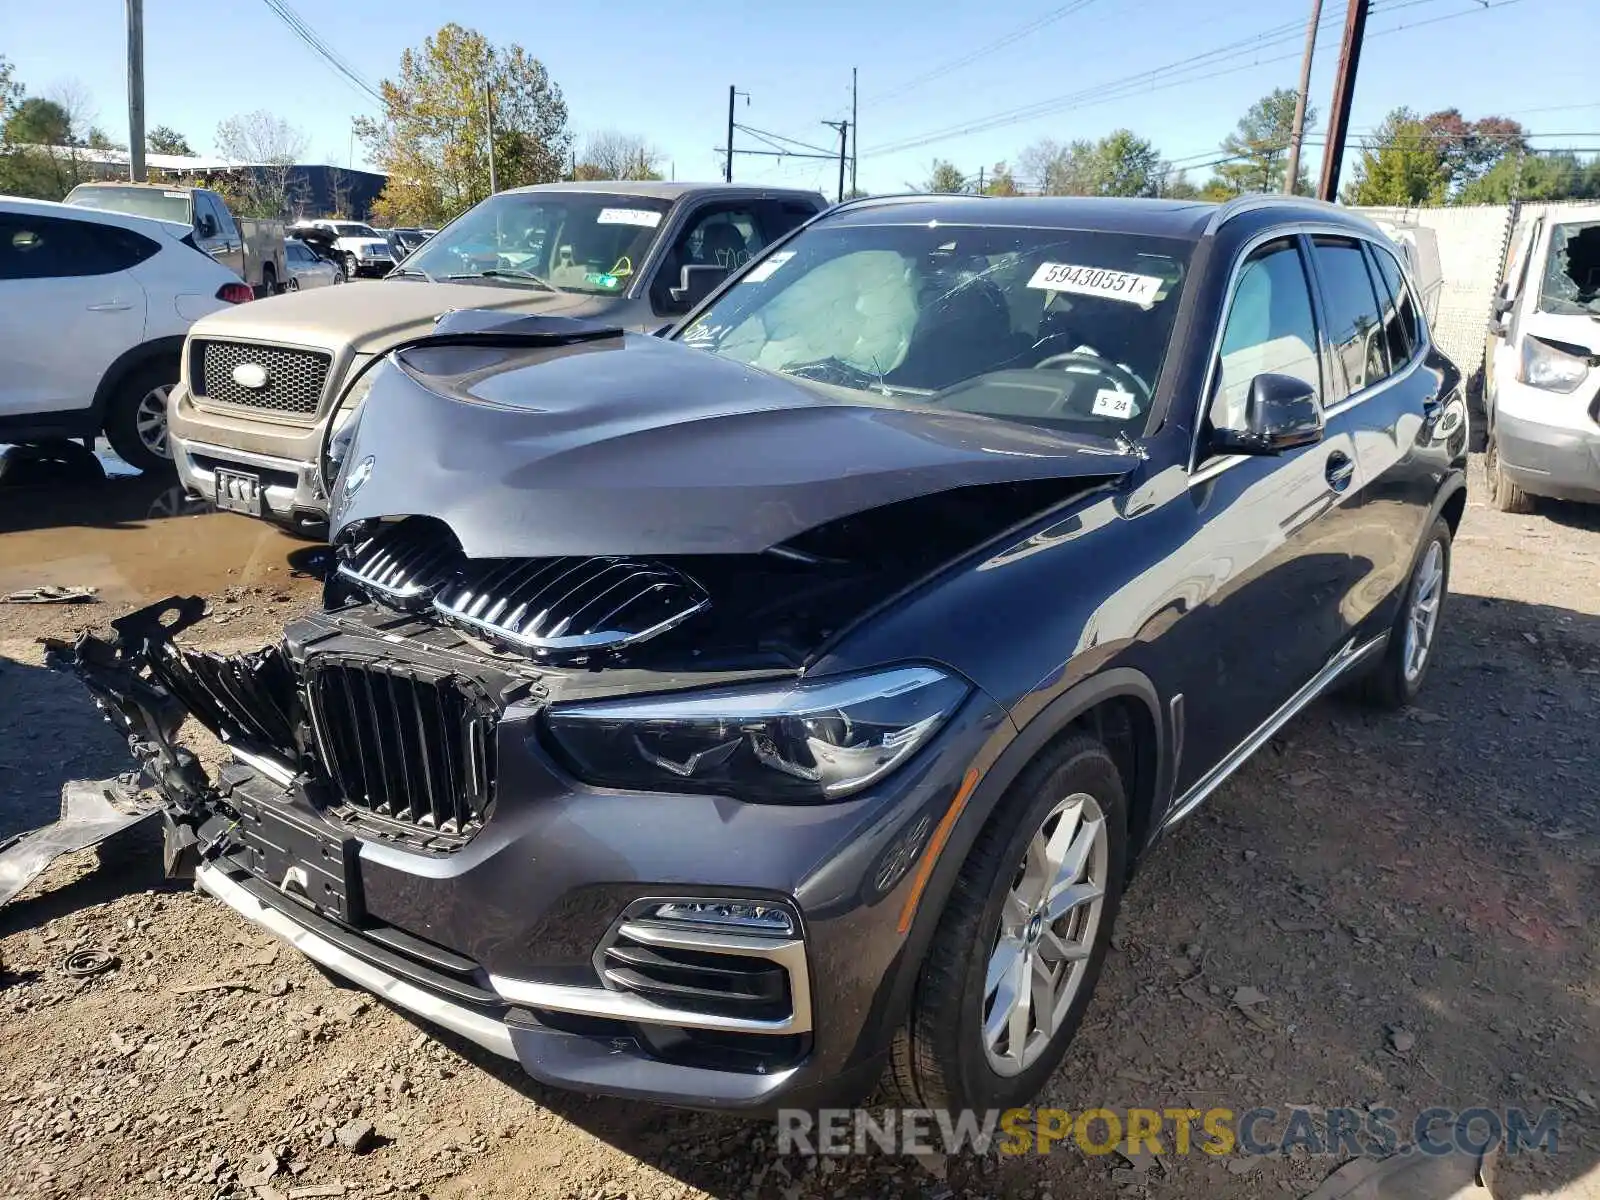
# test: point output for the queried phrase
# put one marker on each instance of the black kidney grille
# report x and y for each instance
(729, 985)
(295, 378)
(402, 743)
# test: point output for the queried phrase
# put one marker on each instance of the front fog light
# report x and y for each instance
(795, 743)
(746, 917)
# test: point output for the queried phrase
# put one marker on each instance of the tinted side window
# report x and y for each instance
(786, 215)
(224, 219)
(1400, 321)
(718, 235)
(1270, 329)
(1355, 328)
(50, 248)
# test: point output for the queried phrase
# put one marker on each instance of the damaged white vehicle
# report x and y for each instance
(1541, 388)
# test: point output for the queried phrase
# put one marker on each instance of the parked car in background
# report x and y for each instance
(249, 247)
(1542, 369)
(308, 269)
(359, 246)
(95, 307)
(636, 254)
(815, 679)
(404, 241)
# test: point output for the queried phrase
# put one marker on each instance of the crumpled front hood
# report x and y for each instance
(636, 446)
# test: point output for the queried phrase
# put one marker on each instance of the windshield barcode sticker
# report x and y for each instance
(1097, 281)
(761, 272)
(643, 217)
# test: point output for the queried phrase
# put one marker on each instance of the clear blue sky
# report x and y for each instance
(662, 70)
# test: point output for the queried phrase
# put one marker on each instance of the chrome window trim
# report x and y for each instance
(1201, 471)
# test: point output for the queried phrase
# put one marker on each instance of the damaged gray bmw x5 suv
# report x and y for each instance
(724, 718)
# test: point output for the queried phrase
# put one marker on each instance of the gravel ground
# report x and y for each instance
(1412, 896)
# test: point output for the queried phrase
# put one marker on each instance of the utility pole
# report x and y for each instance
(136, 170)
(488, 111)
(980, 181)
(844, 142)
(1344, 87)
(855, 132)
(727, 171)
(1297, 135)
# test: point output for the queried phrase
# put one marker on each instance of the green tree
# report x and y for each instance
(1001, 181)
(1060, 170)
(945, 177)
(163, 139)
(1403, 163)
(98, 139)
(430, 140)
(1259, 146)
(1124, 164)
(1558, 176)
(1175, 185)
(38, 122)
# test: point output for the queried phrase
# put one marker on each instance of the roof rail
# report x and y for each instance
(868, 201)
(1240, 205)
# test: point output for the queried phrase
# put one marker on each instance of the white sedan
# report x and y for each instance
(306, 270)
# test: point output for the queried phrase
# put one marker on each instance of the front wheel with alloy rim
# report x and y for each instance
(136, 418)
(1397, 678)
(1504, 494)
(351, 266)
(1020, 944)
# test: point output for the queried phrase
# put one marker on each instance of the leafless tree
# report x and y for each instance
(609, 154)
(268, 147)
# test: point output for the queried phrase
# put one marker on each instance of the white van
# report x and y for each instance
(1541, 385)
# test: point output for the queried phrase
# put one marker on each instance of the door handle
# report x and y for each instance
(1341, 470)
(111, 306)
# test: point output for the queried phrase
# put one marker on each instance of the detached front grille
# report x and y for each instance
(567, 605)
(404, 743)
(548, 607)
(294, 378)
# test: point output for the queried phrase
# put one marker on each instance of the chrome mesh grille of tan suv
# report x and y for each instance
(292, 379)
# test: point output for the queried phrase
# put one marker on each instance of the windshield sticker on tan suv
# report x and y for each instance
(1097, 281)
(642, 217)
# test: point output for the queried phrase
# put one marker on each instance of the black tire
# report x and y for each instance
(1388, 685)
(1504, 494)
(293, 285)
(269, 280)
(123, 417)
(352, 267)
(938, 1059)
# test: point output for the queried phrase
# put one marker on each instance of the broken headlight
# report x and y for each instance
(342, 427)
(781, 742)
(1552, 366)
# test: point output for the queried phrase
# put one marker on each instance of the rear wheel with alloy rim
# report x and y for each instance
(1019, 946)
(1397, 678)
(136, 418)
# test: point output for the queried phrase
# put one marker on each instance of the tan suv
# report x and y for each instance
(259, 386)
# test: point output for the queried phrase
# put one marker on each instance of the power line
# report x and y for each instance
(1158, 79)
(314, 42)
(1000, 43)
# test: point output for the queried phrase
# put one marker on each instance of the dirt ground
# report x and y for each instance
(1414, 896)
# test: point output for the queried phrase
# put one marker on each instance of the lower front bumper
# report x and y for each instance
(605, 1065)
(1550, 460)
(487, 1032)
(289, 490)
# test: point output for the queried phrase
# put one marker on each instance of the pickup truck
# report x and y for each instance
(251, 248)
(260, 388)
